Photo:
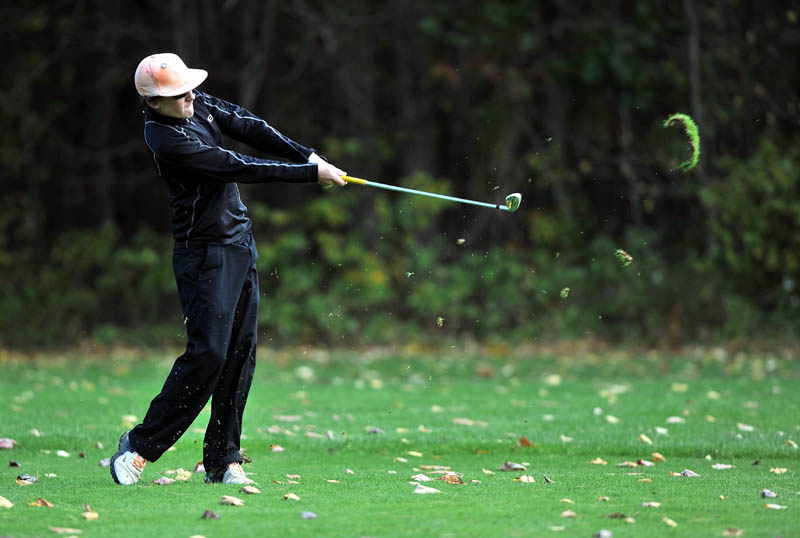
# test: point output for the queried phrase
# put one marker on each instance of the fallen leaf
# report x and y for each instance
(332, 481)
(627, 464)
(277, 448)
(487, 471)
(400, 460)
(26, 480)
(208, 514)
(294, 476)
(669, 522)
(611, 419)
(349, 471)
(414, 453)
(774, 506)
(598, 461)
(511, 466)
(603, 533)
(290, 497)
(251, 490)
(421, 477)
(89, 514)
(603, 498)
(62, 453)
(182, 475)
(720, 466)
(35, 432)
(231, 501)
(523, 441)
(778, 470)
(13, 463)
(744, 427)
(565, 439)
(644, 439)
(65, 530)
(617, 515)
(676, 420)
(791, 444)
(5, 503)
(451, 478)
(41, 502)
(556, 528)
(661, 431)
(424, 490)
(163, 481)
(657, 457)
(651, 504)
(568, 501)
(732, 531)
(199, 468)
(7, 443)
(710, 418)
(308, 515)
(645, 463)
(568, 513)
(689, 473)
(547, 479)
(768, 494)
(526, 479)
(644, 480)
(469, 422)
(680, 387)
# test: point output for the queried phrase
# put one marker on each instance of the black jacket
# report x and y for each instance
(202, 175)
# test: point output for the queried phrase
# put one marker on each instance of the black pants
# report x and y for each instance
(218, 287)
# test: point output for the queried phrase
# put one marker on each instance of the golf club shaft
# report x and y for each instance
(359, 181)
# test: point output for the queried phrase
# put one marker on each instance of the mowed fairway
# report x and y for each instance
(357, 427)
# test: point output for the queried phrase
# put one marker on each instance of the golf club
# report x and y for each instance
(511, 205)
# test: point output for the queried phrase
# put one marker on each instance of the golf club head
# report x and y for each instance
(512, 201)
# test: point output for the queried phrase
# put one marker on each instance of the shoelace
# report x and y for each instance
(139, 462)
(236, 470)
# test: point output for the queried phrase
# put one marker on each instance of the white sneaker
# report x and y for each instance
(232, 474)
(126, 465)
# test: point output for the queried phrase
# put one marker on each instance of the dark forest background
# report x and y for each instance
(562, 101)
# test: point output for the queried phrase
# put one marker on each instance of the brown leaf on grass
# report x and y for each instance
(293, 476)
(88, 513)
(414, 453)
(645, 480)
(774, 506)
(182, 475)
(568, 501)
(523, 441)
(13, 463)
(290, 497)
(208, 514)
(598, 461)
(251, 490)
(669, 522)
(511, 466)
(779, 470)
(644, 439)
(791, 444)
(65, 530)
(732, 531)
(229, 500)
(525, 479)
(7, 443)
(451, 478)
(657, 457)
(41, 502)
(5, 503)
(568, 513)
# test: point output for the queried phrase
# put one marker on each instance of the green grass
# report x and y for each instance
(78, 403)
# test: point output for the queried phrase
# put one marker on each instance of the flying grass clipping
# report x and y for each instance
(690, 128)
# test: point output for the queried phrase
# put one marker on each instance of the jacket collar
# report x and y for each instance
(150, 114)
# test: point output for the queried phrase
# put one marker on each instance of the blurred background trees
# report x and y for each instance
(559, 100)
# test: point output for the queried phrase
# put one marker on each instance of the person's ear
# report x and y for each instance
(153, 102)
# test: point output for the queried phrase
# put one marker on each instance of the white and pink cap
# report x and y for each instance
(165, 75)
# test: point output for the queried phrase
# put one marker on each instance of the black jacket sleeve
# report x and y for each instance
(178, 147)
(244, 126)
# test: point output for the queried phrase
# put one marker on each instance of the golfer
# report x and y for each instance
(213, 259)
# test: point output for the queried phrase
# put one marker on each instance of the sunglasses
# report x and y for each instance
(177, 97)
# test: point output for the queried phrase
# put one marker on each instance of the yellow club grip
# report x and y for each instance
(356, 180)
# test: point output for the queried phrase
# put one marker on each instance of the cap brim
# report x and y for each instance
(194, 78)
